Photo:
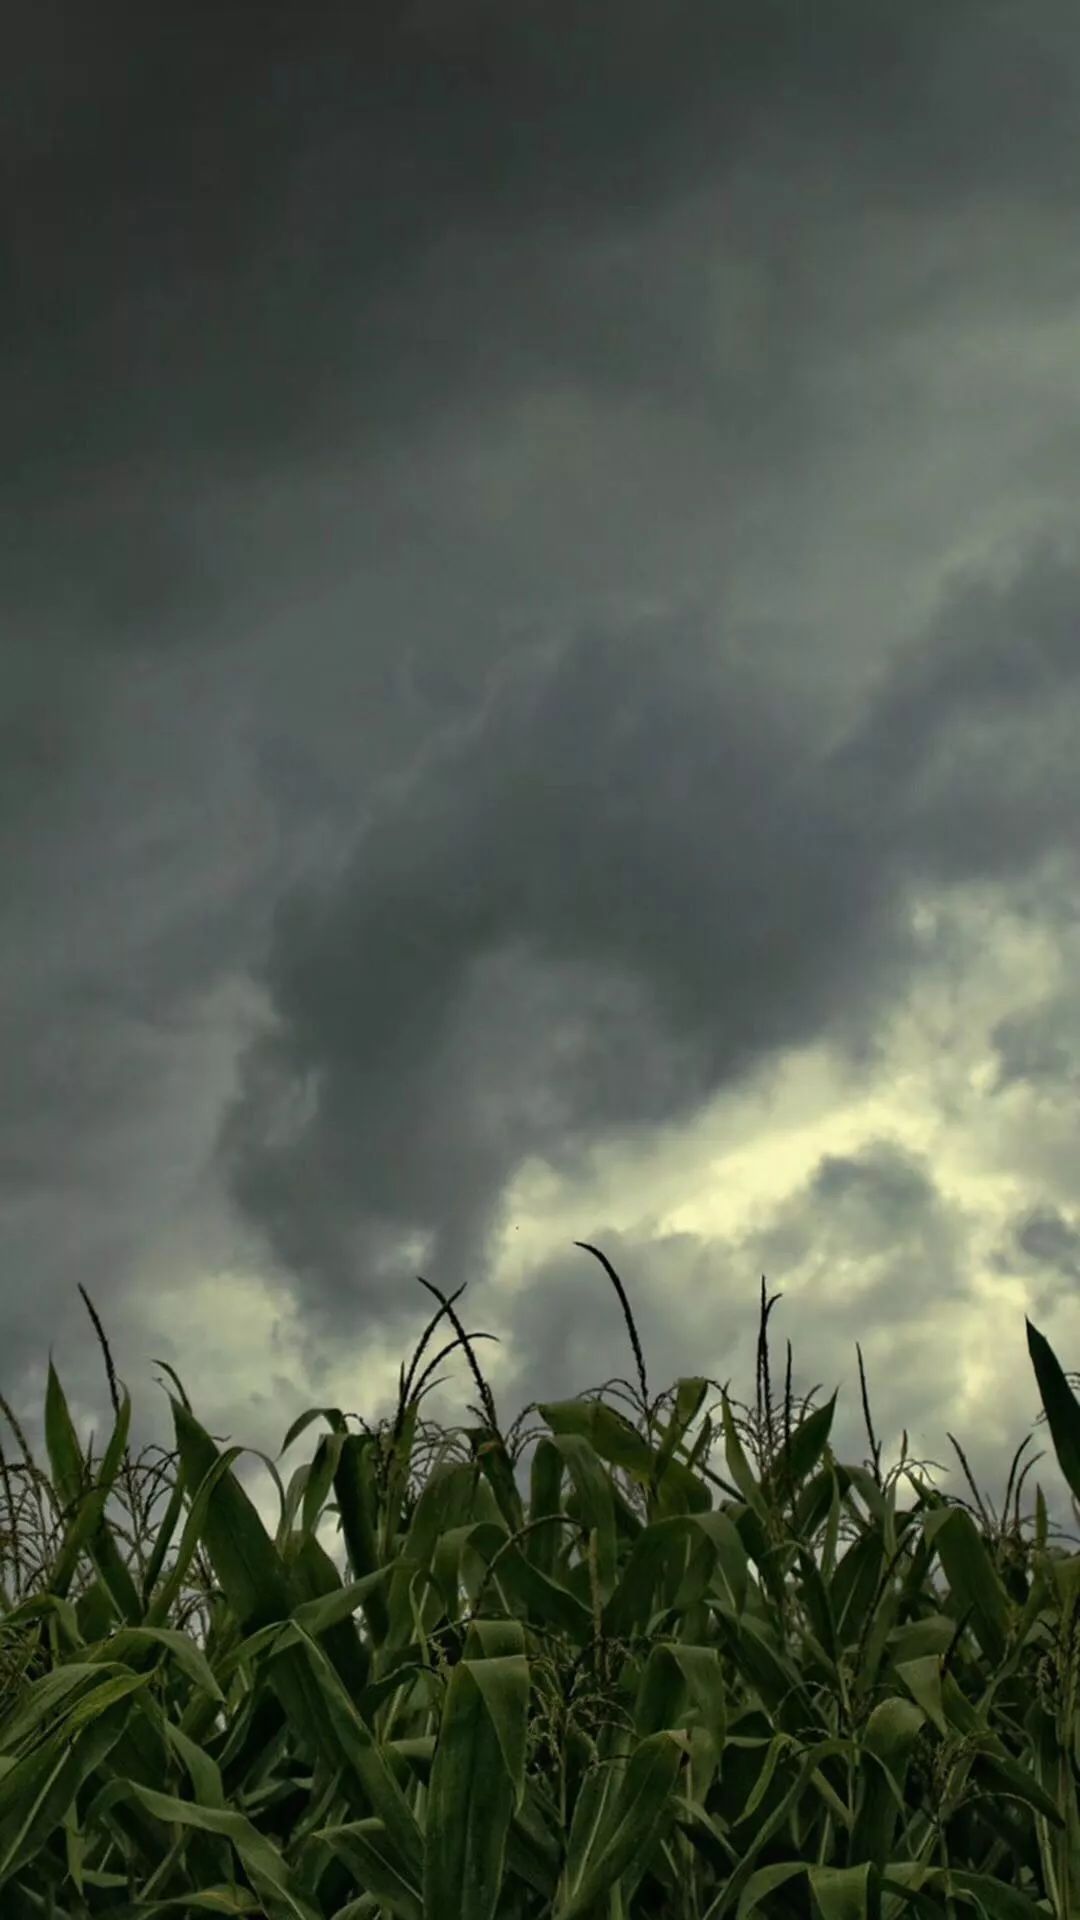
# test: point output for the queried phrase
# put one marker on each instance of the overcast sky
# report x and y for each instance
(540, 690)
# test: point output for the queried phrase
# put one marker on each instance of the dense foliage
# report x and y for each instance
(616, 1685)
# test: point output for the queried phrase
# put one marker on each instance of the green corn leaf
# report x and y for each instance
(610, 1435)
(674, 1670)
(477, 1783)
(763, 1882)
(261, 1859)
(361, 1845)
(839, 1893)
(321, 1477)
(740, 1877)
(629, 1609)
(254, 1578)
(95, 1612)
(315, 1578)
(594, 1492)
(545, 1485)
(163, 1542)
(1060, 1404)
(874, 1498)
(314, 1616)
(920, 1637)
(778, 1749)
(739, 1467)
(972, 1576)
(42, 1698)
(702, 1830)
(923, 1679)
(631, 1605)
(333, 1415)
(69, 1472)
(131, 1641)
(489, 1639)
(86, 1528)
(808, 1442)
(134, 1752)
(635, 1818)
(614, 1440)
(891, 1732)
(816, 1599)
(937, 1693)
(163, 1600)
(689, 1394)
(451, 1497)
(244, 1559)
(1002, 1774)
(357, 1497)
(357, 1746)
(885, 1749)
(853, 1586)
(813, 1504)
(996, 1900)
(294, 1494)
(449, 1569)
(38, 1604)
(227, 1900)
(548, 1601)
(495, 1464)
(203, 1772)
(533, 1853)
(766, 1666)
(846, 1893)
(37, 1793)
(596, 1792)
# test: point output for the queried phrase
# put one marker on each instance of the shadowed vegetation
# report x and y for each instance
(611, 1683)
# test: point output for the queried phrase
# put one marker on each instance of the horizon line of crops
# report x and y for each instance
(758, 1425)
(681, 1709)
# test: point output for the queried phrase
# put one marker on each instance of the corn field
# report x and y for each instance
(626, 1685)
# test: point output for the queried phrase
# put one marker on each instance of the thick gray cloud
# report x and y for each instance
(613, 894)
(632, 818)
(1037, 1047)
(534, 544)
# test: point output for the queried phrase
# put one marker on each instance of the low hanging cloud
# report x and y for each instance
(623, 887)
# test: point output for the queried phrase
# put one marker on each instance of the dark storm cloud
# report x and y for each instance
(622, 886)
(1044, 1246)
(225, 242)
(1046, 1237)
(972, 735)
(294, 232)
(590, 907)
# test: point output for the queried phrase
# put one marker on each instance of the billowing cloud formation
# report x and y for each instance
(626, 884)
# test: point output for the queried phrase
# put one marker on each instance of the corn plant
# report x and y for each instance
(615, 1684)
